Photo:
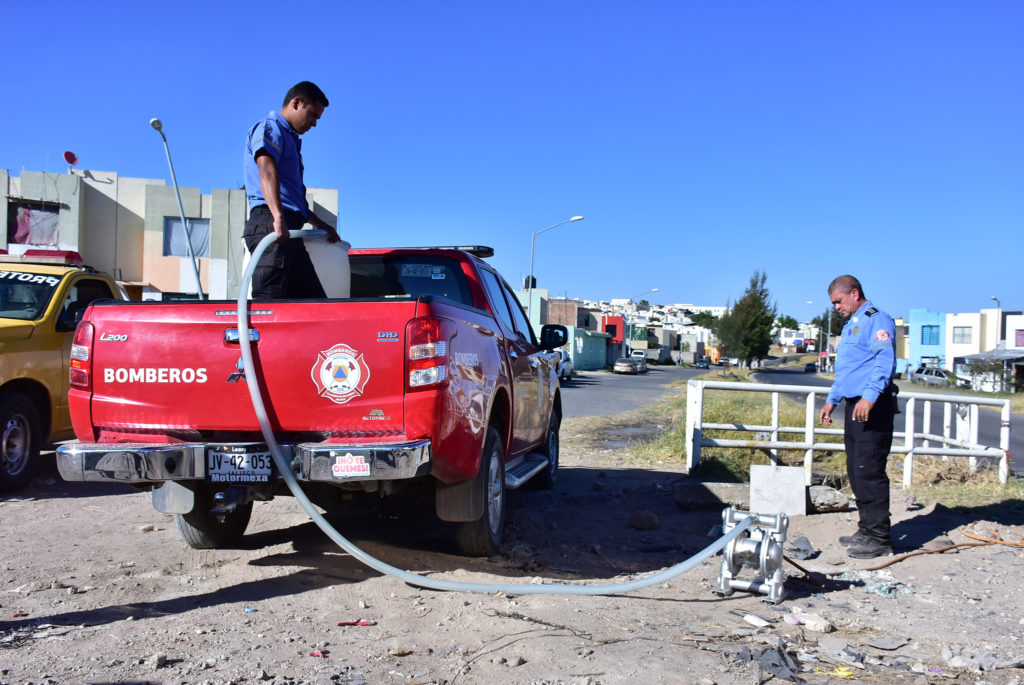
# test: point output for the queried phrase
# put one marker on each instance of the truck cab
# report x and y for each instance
(43, 295)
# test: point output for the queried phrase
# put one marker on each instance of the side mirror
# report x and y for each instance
(553, 336)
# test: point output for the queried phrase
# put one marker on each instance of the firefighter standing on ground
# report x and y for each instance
(864, 369)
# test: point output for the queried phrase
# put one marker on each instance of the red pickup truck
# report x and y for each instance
(429, 373)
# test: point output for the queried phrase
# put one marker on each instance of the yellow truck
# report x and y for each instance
(43, 295)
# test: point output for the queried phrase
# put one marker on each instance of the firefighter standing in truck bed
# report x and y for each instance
(277, 196)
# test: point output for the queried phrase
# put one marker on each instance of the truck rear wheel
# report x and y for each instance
(481, 538)
(202, 530)
(19, 441)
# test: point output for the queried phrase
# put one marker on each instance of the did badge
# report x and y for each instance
(340, 373)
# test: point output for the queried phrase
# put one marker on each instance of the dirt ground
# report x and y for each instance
(98, 588)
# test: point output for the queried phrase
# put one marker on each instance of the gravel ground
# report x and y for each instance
(98, 588)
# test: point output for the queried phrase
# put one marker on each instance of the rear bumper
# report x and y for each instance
(143, 463)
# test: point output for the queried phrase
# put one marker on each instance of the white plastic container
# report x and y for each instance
(330, 261)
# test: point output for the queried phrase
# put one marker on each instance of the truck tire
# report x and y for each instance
(546, 479)
(481, 538)
(201, 530)
(19, 441)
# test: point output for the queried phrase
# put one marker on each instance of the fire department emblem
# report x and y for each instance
(340, 373)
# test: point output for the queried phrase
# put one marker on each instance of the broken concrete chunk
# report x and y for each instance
(889, 643)
(823, 498)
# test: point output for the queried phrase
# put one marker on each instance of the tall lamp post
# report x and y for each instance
(159, 128)
(630, 329)
(811, 302)
(999, 334)
(999, 329)
(529, 282)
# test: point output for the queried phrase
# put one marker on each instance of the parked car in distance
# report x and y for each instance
(933, 376)
(703, 363)
(640, 363)
(810, 367)
(563, 364)
(624, 365)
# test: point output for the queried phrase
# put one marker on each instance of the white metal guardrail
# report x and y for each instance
(959, 437)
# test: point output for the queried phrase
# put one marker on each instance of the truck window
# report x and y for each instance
(523, 327)
(506, 305)
(81, 295)
(24, 295)
(497, 299)
(408, 276)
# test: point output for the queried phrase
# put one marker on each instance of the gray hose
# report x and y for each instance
(405, 576)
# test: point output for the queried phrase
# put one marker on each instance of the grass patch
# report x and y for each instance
(952, 484)
(728, 406)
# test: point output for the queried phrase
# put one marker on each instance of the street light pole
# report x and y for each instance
(999, 335)
(624, 320)
(158, 127)
(529, 281)
(999, 329)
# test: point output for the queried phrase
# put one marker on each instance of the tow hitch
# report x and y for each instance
(227, 501)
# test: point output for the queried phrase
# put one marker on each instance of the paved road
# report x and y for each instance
(600, 393)
(988, 429)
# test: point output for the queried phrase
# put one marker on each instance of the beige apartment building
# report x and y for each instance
(131, 228)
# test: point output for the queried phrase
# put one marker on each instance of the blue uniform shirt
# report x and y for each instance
(277, 138)
(866, 359)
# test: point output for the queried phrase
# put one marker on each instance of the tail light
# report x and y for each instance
(80, 372)
(427, 341)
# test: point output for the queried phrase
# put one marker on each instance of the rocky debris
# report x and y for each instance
(824, 499)
(155, 661)
(977, 659)
(800, 548)
(643, 520)
(812, 622)
(774, 660)
(889, 643)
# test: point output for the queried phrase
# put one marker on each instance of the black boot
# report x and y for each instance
(857, 538)
(870, 548)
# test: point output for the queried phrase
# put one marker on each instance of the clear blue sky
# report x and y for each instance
(701, 140)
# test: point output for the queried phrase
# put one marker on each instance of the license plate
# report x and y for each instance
(227, 466)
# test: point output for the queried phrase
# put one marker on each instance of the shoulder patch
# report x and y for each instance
(882, 335)
(870, 311)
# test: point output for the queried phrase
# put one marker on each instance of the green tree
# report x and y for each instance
(823, 321)
(703, 319)
(746, 330)
(786, 321)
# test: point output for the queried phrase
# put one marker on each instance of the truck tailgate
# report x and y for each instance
(331, 366)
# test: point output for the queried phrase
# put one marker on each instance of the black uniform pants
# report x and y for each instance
(867, 451)
(284, 271)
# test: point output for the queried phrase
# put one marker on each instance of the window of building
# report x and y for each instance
(961, 335)
(1020, 339)
(929, 335)
(176, 242)
(33, 223)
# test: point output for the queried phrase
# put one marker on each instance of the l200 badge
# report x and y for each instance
(340, 373)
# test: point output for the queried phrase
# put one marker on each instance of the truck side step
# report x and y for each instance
(522, 470)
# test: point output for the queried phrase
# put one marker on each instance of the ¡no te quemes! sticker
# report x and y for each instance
(340, 373)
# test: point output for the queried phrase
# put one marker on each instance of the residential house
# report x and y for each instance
(131, 228)
(926, 339)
